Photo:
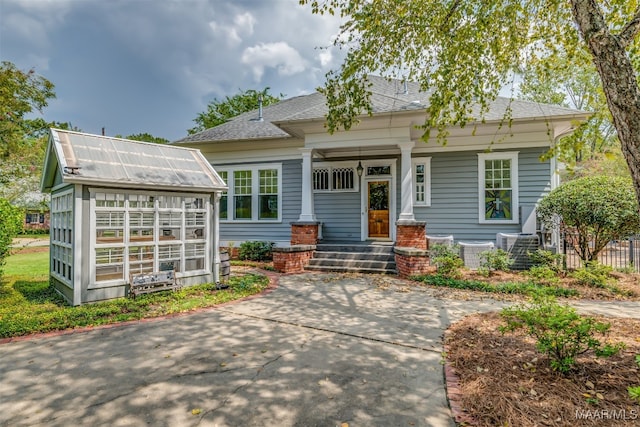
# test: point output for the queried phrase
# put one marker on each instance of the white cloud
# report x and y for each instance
(244, 23)
(325, 57)
(242, 26)
(285, 59)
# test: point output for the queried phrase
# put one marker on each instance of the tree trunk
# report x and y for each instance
(618, 79)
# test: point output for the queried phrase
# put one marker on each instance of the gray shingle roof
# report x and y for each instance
(128, 164)
(387, 96)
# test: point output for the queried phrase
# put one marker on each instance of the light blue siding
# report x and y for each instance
(271, 231)
(453, 210)
(454, 194)
(339, 214)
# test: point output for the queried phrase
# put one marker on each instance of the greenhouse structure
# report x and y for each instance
(121, 208)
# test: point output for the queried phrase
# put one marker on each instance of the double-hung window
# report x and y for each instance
(242, 186)
(498, 188)
(421, 181)
(255, 193)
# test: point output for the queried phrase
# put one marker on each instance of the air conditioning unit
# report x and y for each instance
(523, 245)
(440, 240)
(470, 252)
(505, 241)
(518, 245)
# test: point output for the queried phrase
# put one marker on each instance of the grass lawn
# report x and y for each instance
(28, 264)
(29, 305)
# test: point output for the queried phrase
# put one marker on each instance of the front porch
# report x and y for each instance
(361, 198)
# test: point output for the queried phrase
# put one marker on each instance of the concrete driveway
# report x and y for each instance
(321, 350)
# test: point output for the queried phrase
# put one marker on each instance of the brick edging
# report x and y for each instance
(452, 389)
(274, 281)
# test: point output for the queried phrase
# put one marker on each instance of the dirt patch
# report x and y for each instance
(504, 381)
(30, 250)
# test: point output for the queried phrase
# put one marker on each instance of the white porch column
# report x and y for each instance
(406, 187)
(216, 236)
(307, 213)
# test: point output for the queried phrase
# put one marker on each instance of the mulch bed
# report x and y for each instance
(504, 381)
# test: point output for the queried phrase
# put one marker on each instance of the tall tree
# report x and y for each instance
(220, 111)
(21, 92)
(464, 52)
(576, 87)
(22, 140)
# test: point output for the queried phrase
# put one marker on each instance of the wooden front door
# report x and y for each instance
(378, 208)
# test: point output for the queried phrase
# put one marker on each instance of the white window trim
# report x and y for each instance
(515, 204)
(364, 221)
(342, 164)
(426, 161)
(255, 192)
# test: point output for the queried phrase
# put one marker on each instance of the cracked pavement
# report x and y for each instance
(320, 350)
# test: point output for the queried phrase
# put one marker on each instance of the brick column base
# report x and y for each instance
(304, 233)
(411, 234)
(411, 262)
(292, 259)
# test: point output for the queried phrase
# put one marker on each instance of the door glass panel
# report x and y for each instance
(379, 196)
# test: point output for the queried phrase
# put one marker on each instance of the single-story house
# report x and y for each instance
(289, 178)
(121, 207)
(36, 211)
(36, 220)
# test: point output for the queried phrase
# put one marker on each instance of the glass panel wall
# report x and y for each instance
(61, 229)
(141, 233)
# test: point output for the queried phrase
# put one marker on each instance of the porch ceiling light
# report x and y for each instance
(359, 168)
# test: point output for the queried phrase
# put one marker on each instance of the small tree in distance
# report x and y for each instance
(220, 111)
(595, 209)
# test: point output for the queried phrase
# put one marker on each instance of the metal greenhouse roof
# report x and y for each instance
(115, 162)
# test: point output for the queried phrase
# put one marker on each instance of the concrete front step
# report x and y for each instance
(354, 258)
(357, 263)
(342, 269)
(369, 256)
(345, 247)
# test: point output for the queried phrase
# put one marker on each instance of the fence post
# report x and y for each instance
(632, 255)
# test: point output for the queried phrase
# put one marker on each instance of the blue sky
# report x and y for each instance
(135, 66)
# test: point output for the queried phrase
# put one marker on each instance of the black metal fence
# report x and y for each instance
(621, 254)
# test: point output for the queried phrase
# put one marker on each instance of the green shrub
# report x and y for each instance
(543, 274)
(11, 220)
(544, 258)
(494, 260)
(593, 274)
(447, 260)
(255, 251)
(634, 392)
(598, 209)
(34, 232)
(560, 332)
(523, 288)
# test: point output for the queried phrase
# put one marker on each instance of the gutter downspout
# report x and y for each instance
(216, 237)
